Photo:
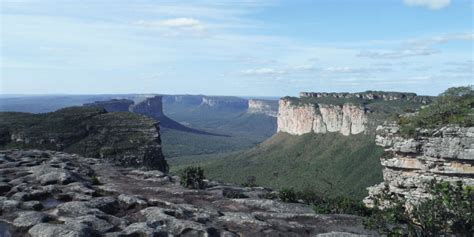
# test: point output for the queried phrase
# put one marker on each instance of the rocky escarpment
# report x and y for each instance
(371, 95)
(266, 107)
(297, 119)
(126, 138)
(152, 107)
(114, 105)
(224, 103)
(47, 193)
(445, 154)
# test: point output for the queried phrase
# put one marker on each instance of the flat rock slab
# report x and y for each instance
(51, 193)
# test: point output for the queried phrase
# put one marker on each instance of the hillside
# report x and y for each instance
(325, 143)
(330, 164)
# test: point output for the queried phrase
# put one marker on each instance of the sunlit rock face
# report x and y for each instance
(267, 107)
(297, 119)
(445, 154)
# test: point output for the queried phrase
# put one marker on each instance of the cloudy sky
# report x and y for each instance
(229, 47)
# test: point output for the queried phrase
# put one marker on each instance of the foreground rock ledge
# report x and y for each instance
(48, 193)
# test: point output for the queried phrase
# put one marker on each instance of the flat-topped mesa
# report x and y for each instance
(224, 102)
(445, 154)
(369, 95)
(151, 107)
(267, 107)
(125, 138)
(297, 119)
(114, 105)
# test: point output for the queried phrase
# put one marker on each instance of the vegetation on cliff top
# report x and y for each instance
(454, 106)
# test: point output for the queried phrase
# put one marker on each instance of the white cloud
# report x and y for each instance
(182, 22)
(275, 71)
(400, 53)
(177, 26)
(355, 70)
(430, 4)
(264, 72)
(416, 47)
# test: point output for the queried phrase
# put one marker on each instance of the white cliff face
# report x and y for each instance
(445, 154)
(268, 108)
(298, 119)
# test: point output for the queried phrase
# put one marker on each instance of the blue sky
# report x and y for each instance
(247, 47)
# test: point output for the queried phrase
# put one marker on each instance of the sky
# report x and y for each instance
(246, 47)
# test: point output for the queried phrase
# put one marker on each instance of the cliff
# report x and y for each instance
(297, 119)
(346, 113)
(445, 154)
(266, 107)
(151, 107)
(125, 138)
(114, 105)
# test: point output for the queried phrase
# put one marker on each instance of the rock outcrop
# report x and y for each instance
(445, 154)
(224, 103)
(266, 107)
(126, 138)
(299, 118)
(371, 95)
(151, 107)
(99, 199)
(114, 105)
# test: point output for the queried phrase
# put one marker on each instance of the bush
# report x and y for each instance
(193, 177)
(95, 180)
(288, 195)
(340, 205)
(324, 205)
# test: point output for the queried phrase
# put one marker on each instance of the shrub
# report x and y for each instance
(193, 177)
(288, 195)
(95, 180)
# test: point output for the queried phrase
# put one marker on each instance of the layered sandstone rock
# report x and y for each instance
(267, 107)
(445, 154)
(298, 118)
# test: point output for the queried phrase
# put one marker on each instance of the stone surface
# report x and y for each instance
(300, 118)
(444, 154)
(137, 202)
